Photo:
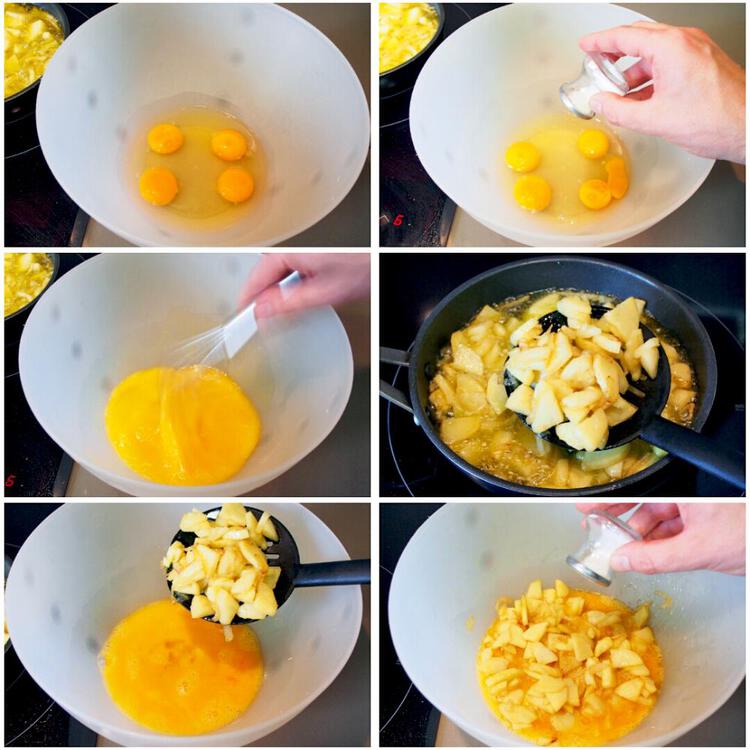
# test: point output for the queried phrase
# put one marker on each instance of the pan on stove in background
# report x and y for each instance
(455, 310)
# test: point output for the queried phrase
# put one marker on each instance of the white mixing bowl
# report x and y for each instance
(465, 556)
(122, 312)
(498, 73)
(284, 79)
(89, 565)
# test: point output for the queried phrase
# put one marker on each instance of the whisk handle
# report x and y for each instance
(339, 573)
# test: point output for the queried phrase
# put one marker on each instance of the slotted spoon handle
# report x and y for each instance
(339, 573)
(701, 451)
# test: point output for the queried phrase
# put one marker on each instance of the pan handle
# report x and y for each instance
(720, 460)
(387, 391)
(394, 356)
(340, 573)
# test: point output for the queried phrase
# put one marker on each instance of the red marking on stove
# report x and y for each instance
(10, 480)
(399, 220)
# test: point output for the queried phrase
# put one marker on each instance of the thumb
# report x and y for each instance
(630, 112)
(659, 556)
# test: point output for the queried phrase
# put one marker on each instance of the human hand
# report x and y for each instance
(697, 96)
(681, 537)
(327, 279)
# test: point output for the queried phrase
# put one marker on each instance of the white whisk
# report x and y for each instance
(218, 345)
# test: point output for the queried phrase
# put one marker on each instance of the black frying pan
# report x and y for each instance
(585, 274)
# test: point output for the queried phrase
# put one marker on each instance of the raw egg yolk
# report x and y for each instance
(593, 144)
(186, 426)
(532, 192)
(595, 194)
(165, 138)
(617, 176)
(229, 145)
(522, 156)
(177, 675)
(235, 185)
(158, 186)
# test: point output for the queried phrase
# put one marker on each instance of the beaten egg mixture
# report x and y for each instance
(566, 667)
(186, 426)
(567, 168)
(177, 675)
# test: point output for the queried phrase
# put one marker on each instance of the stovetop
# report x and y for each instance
(32, 718)
(35, 466)
(414, 212)
(38, 212)
(714, 285)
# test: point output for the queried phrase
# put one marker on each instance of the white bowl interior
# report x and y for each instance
(437, 587)
(89, 565)
(499, 73)
(307, 109)
(118, 313)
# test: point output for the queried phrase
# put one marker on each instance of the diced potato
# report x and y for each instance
(574, 606)
(520, 400)
(575, 307)
(456, 429)
(640, 616)
(681, 373)
(562, 722)
(593, 705)
(265, 601)
(175, 552)
(620, 411)
(231, 514)
(186, 588)
(470, 393)
(193, 521)
(497, 396)
(543, 655)
(546, 409)
(467, 360)
(190, 574)
(588, 435)
(535, 590)
(625, 317)
(581, 646)
(630, 690)
(272, 576)
(561, 353)
(201, 607)
(607, 375)
(535, 632)
(558, 700)
(209, 558)
(622, 657)
(602, 645)
(526, 331)
(253, 555)
(248, 611)
(579, 371)
(681, 397)
(645, 635)
(649, 357)
(609, 343)
(561, 589)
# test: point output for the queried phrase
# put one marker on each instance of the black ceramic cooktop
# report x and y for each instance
(414, 212)
(410, 286)
(38, 212)
(35, 466)
(32, 718)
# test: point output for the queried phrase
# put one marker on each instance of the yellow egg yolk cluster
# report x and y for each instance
(159, 186)
(186, 426)
(534, 193)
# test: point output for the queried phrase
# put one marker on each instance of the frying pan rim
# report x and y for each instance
(422, 418)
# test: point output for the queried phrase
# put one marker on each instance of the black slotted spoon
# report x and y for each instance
(647, 423)
(285, 555)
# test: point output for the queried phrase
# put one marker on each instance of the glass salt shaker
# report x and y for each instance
(598, 74)
(606, 533)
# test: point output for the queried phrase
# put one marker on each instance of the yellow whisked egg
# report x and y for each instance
(522, 156)
(158, 186)
(165, 138)
(178, 675)
(229, 145)
(186, 426)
